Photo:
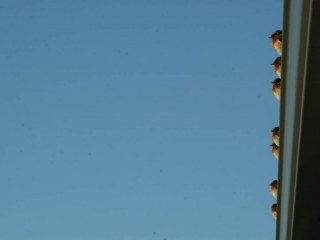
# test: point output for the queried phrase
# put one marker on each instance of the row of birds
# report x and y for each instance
(276, 41)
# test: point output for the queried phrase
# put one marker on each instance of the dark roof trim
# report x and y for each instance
(296, 26)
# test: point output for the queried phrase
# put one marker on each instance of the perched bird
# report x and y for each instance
(276, 88)
(276, 41)
(274, 210)
(275, 135)
(277, 66)
(275, 150)
(274, 188)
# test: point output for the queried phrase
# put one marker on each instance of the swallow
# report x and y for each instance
(276, 41)
(275, 150)
(276, 88)
(275, 135)
(274, 210)
(277, 66)
(274, 188)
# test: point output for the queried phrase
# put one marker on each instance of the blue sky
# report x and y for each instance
(137, 120)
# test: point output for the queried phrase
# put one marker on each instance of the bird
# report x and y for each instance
(274, 212)
(274, 188)
(276, 88)
(277, 66)
(275, 135)
(276, 41)
(275, 150)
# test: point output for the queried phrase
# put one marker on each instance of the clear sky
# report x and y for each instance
(137, 119)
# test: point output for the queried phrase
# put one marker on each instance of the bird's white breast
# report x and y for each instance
(276, 92)
(277, 45)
